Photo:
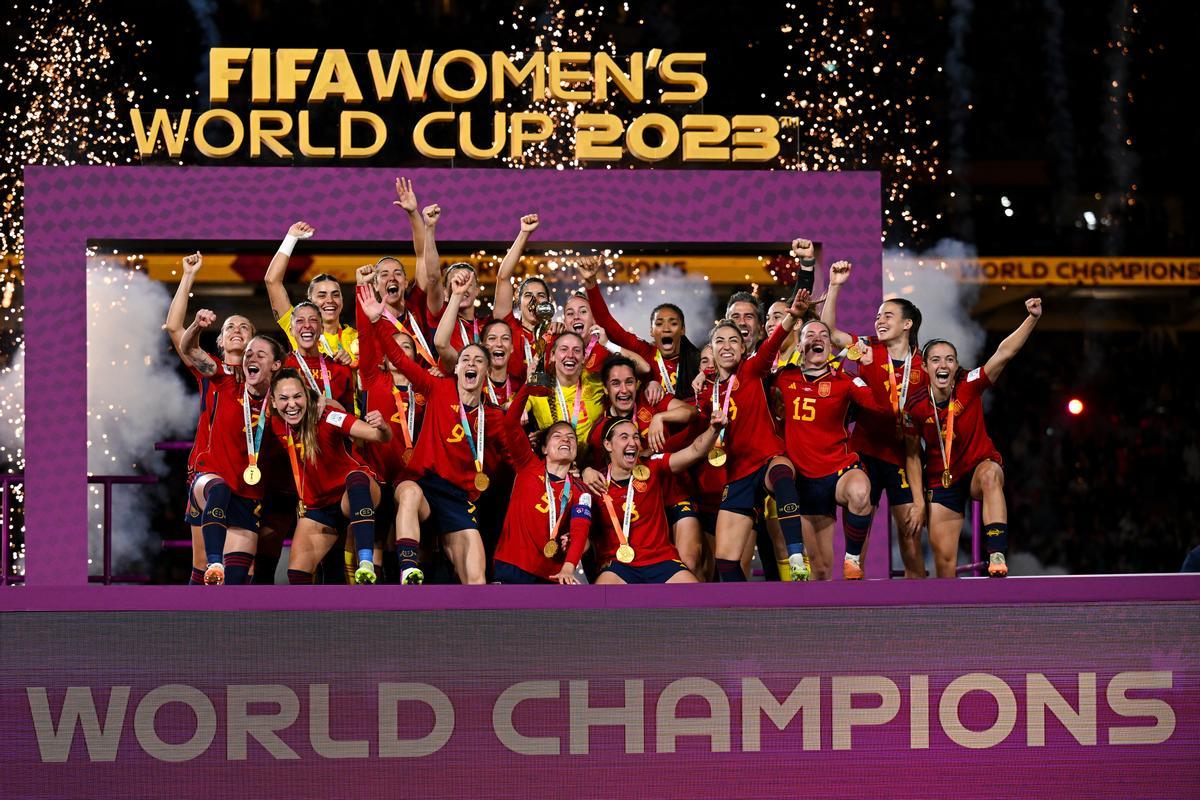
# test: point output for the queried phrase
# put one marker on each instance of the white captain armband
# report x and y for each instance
(974, 374)
(336, 418)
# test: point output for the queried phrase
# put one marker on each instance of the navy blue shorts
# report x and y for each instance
(957, 497)
(818, 496)
(503, 572)
(681, 510)
(708, 521)
(450, 508)
(745, 495)
(330, 516)
(890, 478)
(660, 572)
(243, 513)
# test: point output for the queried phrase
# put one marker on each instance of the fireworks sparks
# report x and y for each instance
(851, 105)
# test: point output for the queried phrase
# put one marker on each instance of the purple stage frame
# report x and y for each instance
(65, 207)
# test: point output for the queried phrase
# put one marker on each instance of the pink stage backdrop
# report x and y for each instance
(67, 206)
(1097, 700)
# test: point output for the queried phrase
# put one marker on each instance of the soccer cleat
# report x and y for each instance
(214, 575)
(365, 573)
(852, 568)
(997, 567)
(413, 576)
(800, 567)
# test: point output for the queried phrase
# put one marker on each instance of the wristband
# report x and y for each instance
(613, 348)
(289, 243)
(808, 262)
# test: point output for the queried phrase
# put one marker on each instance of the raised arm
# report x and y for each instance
(382, 330)
(435, 296)
(280, 302)
(502, 304)
(372, 428)
(1015, 340)
(700, 446)
(839, 271)
(759, 364)
(177, 312)
(589, 271)
(191, 353)
(370, 356)
(678, 412)
(406, 199)
(444, 335)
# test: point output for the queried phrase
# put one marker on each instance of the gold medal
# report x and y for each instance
(481, 481)
(717, 456)
(853, 353)
(406, 456)
(625, 554)
(300, 509)
(550, 549)
(252, 475)
(641, 472)
(947, 479)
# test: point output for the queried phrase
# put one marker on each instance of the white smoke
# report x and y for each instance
(631, 304)
(135, 398)
(930, 280)
(12, 410)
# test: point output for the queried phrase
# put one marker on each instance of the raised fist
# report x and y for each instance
(431, 214)
(205, 319)
(301, 230)
(529, 223)
(803, 248)
(191, 263)
(839, 271)
(1034, 306)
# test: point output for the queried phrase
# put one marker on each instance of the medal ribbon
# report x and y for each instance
(591, 345)
(556, 512)
(947, 442)
(253, 440)
(899, 394)
(507, 390)
(667, 382)
(297, 473)
(413, 330)
(560, 398)
(724, 406)
(477, 455)
(622, 529)
(309, 376)
(406, 410)
(462, 330)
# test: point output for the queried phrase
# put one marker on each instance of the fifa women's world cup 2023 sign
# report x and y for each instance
(573, 81)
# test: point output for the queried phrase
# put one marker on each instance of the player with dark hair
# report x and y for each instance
(746, 313)
(451, 454)
(326, 376)
(337, 490)
(961, 463)
(750, 448)
(497, 340)
(532, 291)
(405, 303)
(228, 476)
(633, 544)
(890, 362)
(816, 402)
(675, 361)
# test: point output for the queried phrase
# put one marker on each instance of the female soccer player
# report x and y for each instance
(450, 455)
(576, 395)
(324, 375)
(891, 365)
(501, 386)
(634, 544)
(405, 304)
(750, 449)
(961, 463)
(816, 401)
(674, 358)
(336, 489)
(544, 503)
(228, 483)
(533, 290)
(325, 294)
(231, 343)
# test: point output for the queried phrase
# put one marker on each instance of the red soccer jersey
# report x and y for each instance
(466, 331)
(649, 535)
(875, 433)
(621, 337)
(750, 437)
(527, 523)
(814, 418)
(386, 459)
(443, 448)
(971, 443)
(501, 393)
(340, 378)
(207, 398)
(643, 413)
(413, 321)
(323, 479)
(226, 454)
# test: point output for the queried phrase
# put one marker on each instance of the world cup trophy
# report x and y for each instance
(543, 313)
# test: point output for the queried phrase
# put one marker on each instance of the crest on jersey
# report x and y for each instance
(824, 388)
(644, 414)
(914, 377)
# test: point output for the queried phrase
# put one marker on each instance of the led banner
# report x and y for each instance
(1078, 271)
(287, 87)
(1096, 700)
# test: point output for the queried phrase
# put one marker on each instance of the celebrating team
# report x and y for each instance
(431, 441)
